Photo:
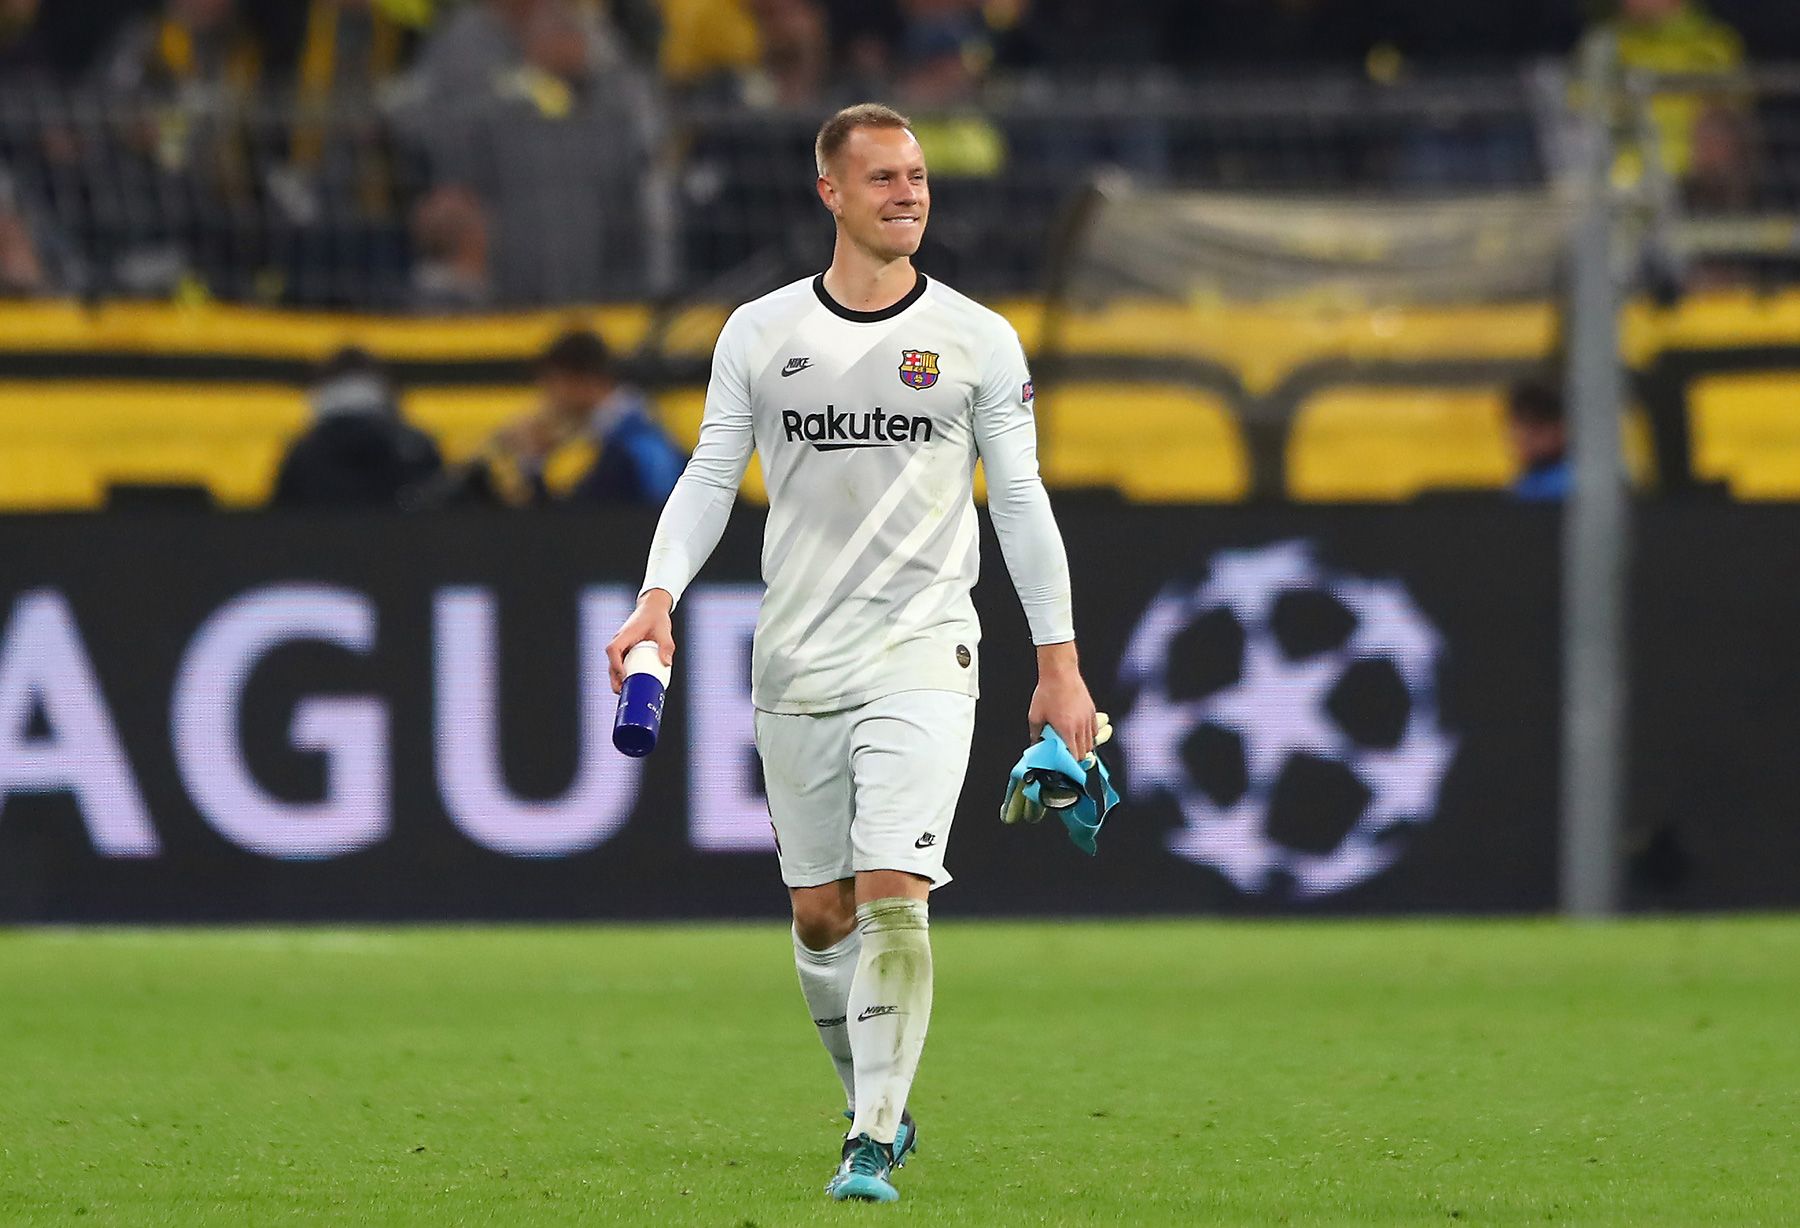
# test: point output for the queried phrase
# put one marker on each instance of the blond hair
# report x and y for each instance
(835, 132)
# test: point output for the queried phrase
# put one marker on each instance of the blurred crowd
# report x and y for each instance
(361, 452)
(283, 150)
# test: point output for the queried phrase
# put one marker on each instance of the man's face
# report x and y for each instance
(202, 15)
(571, 395)
(17, 14)
(556, 43)
(877, 190)
(1537, 442)
(1649, 10)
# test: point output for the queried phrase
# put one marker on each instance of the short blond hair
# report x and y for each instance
(835, 132)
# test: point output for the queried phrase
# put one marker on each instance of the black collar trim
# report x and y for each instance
(868, 317)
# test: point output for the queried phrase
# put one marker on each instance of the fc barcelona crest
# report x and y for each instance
(918, 368)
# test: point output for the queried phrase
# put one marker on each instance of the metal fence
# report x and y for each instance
(516, 200)
(615, 196)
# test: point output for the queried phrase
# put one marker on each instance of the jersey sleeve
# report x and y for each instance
(697, 509)
(1006, 439)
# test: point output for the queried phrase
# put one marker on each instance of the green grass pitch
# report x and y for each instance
(1130, 1073)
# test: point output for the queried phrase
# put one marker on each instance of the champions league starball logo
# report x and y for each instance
(1290, 710)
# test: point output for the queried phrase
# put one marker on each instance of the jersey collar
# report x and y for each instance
(868, 317)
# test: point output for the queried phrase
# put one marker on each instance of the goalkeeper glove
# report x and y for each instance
(1048, 778)
(1029, 805)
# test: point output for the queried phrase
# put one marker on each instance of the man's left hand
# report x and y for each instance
(1062, 701)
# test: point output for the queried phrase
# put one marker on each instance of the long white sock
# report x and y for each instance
(889, 1009)
(825, 982)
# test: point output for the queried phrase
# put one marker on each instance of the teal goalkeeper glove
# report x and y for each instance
(1048, 778)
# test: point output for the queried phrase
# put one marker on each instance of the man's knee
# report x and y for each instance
(824, 916)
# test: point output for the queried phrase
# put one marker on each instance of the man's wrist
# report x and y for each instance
(655, 598)
(1058, 660)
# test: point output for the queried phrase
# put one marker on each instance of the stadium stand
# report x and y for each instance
(202, 197)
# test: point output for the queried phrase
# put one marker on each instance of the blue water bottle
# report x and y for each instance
(639, 718)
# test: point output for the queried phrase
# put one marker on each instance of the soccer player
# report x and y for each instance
(869, 392)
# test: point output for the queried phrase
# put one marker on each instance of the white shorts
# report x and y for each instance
(872, 787)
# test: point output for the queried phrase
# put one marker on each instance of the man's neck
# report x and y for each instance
(863, 282)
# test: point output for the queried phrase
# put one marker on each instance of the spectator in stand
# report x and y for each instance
(1722, 172)
(36, 258)
(796, 50)
(864, 34)
(22, 273)
(479, 47)
(1534, 415)
(945, 50)
(189, 47)
(580, 397)
(328, 169)
(1673, 36)
(709, 47)
(556, 147)
(177, 83)
(450, 247)
(360, 452)
(338, 60)
(758, 52)
(24, 54)
(638, 462)
(338, 48)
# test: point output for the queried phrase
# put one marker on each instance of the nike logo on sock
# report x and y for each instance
(830, 1023)
(795, 366)
(872, 1011)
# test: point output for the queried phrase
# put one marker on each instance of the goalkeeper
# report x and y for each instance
(869, 392)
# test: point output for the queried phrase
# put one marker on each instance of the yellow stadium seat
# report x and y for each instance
(65, 442)
(1151, 442)
(1746, 430)
(1394, 443)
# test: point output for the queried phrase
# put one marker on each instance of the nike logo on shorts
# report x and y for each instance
(925, 841)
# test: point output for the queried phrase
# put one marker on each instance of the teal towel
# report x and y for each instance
(1050, 762)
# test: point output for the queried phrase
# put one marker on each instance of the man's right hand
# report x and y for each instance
(650, 621)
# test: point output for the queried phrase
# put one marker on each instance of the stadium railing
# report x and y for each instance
(248, 198)
(254, 203)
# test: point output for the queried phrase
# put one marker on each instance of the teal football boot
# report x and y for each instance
(863, 1174)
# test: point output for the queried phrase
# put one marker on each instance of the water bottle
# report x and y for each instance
(639, 718)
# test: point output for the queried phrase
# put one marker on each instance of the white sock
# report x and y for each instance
(825, 982)
(889, 1009)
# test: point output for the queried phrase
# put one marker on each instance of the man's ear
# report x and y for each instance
(828, 195)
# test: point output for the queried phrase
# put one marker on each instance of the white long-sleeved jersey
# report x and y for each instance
(869, 425)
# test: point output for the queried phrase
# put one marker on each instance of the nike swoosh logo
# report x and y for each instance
(872, 1011)
(795, 366)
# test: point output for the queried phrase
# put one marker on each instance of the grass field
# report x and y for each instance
(1143, 1073)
